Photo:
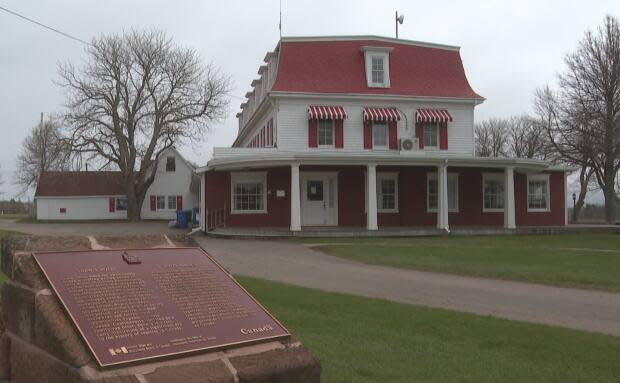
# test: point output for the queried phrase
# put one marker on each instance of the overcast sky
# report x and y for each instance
(508, 48)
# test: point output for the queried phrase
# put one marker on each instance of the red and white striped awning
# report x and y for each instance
(381, 114)
(433, 115)
(321, 112)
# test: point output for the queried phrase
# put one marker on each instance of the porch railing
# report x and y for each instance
(216, 218)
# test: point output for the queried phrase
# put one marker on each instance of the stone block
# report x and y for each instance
(27, 272)
(18, 312)
(54, 332)
(290, 365)
(204, 372)
(30, 364)
(8, 246)
(5, 356)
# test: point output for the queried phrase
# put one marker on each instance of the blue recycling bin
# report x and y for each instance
(195, 216)
(182, 219)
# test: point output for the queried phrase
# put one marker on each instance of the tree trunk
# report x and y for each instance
(584, 181)
(610, 198)
(133, 204)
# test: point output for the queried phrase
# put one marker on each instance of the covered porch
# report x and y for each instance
(393, 196)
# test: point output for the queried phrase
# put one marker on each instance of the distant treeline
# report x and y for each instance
(13, 206)
(591, 213)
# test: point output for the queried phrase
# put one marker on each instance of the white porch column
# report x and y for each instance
(442, 197)
(371, 209)
(295, 199)
(203, 213)
(509, 198)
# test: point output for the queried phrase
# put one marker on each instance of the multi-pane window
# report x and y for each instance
(378, 69)
(121, 204)
(432, 195)
(172, 202)
(538, 193)
(171, 165)
(379, 134)
(326, 132)
(248, 192)
(387, 192)
(493, 192)
(161, 202)
(431, 134)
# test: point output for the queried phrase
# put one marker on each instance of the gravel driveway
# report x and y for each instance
(91, 228)
(296, 264)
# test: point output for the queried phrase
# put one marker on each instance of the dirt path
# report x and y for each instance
(296, 264)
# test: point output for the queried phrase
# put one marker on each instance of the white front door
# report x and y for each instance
(319, 201)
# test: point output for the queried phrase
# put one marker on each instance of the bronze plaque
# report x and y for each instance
(132, 305)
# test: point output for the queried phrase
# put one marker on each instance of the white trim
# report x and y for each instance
(370, 97)
(437, 138)
(496, 177)
(239, 158)
(538, 177)
(247, 176)
(388, 176)
(318, 136)
(371, 54)
(295, 198)
(80, 196)
(434, 175)
(387, 135)
(371, 186)
(369, 37)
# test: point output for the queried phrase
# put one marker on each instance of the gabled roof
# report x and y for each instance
(336, 65)
(74, 184)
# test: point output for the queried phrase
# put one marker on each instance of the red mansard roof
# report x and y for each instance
(323, 65)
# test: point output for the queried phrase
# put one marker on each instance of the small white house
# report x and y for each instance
(101, 195)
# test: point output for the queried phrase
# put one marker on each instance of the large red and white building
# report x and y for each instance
(371, 132)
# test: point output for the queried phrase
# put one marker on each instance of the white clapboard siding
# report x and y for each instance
(292, 118)
(76, 208)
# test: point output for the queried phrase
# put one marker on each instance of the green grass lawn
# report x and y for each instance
(2, 234)
(13, 216)
(370, 340)
(572, 260)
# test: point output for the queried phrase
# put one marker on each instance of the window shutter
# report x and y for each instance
(367, 134)
(393, 135)
(313, 138)
(112, 206)
(419, 132)
(443, 136)
(179, 202)
(153, 203)
(339, 134)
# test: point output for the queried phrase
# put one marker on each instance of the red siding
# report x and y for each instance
(558, 199)
(412, 198)
(278, 208)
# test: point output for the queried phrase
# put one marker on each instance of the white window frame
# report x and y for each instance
(436, 125)
(433, 176)
(382, 53)
(387, 135)
(318, 134)
(538, 177)
(393, 176)
(236, 177)
(495, 177)
(168, 198)
(165, 197)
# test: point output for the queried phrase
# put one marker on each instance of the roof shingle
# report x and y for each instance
(74, 184)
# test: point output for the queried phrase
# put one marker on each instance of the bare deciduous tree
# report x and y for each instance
(491, 138)
(526, 138)
(582, 118)
(136, 96)
(44, 149)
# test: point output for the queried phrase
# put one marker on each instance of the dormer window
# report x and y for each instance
(377, 66)
(378, 70)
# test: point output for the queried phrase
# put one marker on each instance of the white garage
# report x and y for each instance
(100, 195)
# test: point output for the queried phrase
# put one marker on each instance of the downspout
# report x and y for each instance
(447, 228)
